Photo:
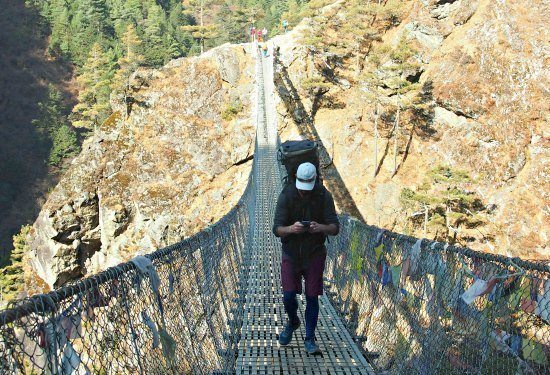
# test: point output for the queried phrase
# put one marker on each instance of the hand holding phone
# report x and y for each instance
(306, 223)
(297, 228)
(315, 227)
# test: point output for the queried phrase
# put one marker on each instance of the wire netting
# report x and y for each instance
(117, 322)
(422, 307)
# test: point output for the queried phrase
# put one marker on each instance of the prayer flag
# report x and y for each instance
(386, 275)
(515, 344)
(534, 352)
(478, 288)
(70, 361)
(543, 302)
(72, 326)
(378, 250)
(168, 344)
(151, 325)
(519, 293)
(395, 275)
(414, 257)
(474, 291)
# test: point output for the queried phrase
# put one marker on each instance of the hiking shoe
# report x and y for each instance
(286, 336)
(311, 347)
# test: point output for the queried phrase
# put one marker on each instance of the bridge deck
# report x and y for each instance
(259, 351)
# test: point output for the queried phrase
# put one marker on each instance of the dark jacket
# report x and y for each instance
(318, 207)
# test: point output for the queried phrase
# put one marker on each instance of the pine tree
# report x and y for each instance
(277, 9)
(97, 15)
(155, 50)
(255, 14)
(177, 18)
(93, 98)
(154, 24)
(118, 16)
(174, 49)
(235, 20)
(359, 28)
(388, 69)
(90, 23)
(201, 31)
(61, 34)
(128, 63)
(372, 83)
(54, 126)
(51, 112)
(64, 144)
(294, 13)
(132, 11)
(401, 57)
(11, 276)
(314, 40)
(448, 205)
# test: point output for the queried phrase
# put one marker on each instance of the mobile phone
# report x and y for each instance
(306, 223)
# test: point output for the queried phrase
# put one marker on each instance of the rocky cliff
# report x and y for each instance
(177, 163)
(433, 122)
(460, 149)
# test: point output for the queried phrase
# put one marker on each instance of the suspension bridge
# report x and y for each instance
(212, 304)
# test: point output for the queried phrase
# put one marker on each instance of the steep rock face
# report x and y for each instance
(491, 73)
(485, 68)
(168, 170)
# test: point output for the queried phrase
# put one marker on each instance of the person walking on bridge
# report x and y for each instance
(252, 33)
(285, 25)
(304, 216)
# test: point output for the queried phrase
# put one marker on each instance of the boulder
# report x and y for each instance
(427, 36)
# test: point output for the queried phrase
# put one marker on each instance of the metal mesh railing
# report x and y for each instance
(119, 322)
(421, 307)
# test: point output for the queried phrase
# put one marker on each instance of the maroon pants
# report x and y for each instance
(291, 275)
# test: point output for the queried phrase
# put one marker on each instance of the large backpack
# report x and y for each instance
(293, 153)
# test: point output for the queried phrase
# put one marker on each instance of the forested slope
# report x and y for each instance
(45, 43)
(24, 148)
(67, 62)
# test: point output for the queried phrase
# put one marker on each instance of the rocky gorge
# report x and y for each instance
(176, 164)
(459, 151)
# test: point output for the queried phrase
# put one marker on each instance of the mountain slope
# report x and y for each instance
(177, 164)
(469, 78)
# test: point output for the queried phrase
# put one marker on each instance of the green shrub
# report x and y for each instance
(315, 84)
(64, 144)
(54, 126)
(231, 110)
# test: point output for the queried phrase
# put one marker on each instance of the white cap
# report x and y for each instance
(305, 176)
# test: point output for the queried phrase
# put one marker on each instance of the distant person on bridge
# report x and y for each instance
(253, 33)
(259, 33)
(264, 34)
(285, 25)
(304, 216)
